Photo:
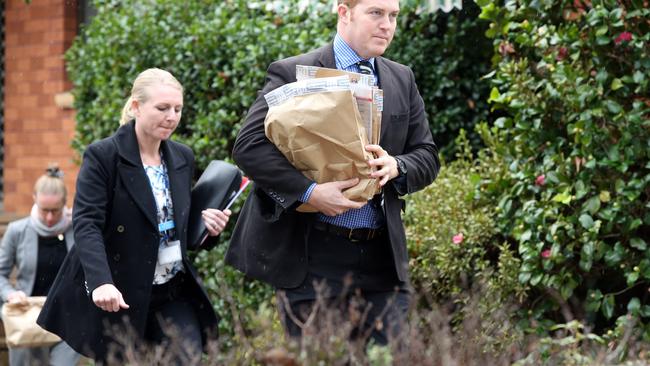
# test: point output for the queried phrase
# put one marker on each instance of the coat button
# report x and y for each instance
(120, 228)
(116, 257)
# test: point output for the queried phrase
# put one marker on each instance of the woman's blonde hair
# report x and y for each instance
(51, 183)
(142, 82)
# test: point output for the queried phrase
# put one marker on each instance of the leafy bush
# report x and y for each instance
(220, 51)
(572, 80)
(451, 235)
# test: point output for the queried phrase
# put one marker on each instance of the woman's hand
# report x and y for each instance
(108, 298)
(215, 220)
(16, 297)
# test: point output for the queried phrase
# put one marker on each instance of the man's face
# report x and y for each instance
(369, 26)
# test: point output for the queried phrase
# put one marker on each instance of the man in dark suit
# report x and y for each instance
(363, 242)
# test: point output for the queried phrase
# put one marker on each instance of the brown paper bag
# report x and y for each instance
(21, 330)
(321, 136)
(303, 71)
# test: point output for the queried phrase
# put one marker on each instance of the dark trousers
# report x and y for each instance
(173, 319)
(172, 322)
(360, 282)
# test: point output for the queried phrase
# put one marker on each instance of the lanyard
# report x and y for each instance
(163, 213)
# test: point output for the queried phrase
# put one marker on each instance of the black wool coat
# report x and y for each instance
(116, 235)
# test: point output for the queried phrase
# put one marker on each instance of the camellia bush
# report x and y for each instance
(571, 79)
(452, 234)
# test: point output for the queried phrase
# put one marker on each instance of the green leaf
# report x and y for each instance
(631, 278)
(608, 306)
(495, 96)
(616, 84)
(645, 311)
(613, 107)
(535, 280)
(592, 205)
(564, 198)
(475, 179)
(635, 224)
(586, 221)
(639, 244)
(580, 189)
(585, 264)
(638, 77)
(588, 249)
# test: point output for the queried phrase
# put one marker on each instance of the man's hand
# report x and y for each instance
(328, 198)
(385, 164)
(16, 297)
(108, 298)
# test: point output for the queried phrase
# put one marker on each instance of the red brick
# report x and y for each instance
(46, 10)
(23, 88)
(60, 150)
(55, 37)
(53, 61)
(37, 25)
(36, 130)
(31, 37)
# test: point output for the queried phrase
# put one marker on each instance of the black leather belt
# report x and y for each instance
(361, 234)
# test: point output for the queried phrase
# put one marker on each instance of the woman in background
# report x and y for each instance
(36, 247)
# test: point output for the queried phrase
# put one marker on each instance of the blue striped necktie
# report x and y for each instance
(365, 67)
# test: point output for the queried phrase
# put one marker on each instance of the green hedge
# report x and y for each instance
(220, 51)
(457, 259)
(572, 81)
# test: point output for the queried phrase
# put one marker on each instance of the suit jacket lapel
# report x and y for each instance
(326, 58)
(386, 79)
(132, 172)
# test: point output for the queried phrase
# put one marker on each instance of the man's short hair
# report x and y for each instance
(349, 3)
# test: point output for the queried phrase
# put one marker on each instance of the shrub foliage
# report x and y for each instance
(571, 78)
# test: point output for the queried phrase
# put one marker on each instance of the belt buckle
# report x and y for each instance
(350, 238)
(371, 234)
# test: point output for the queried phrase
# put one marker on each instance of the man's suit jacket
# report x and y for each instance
(20, 248)
(116, 233)
(269, 239)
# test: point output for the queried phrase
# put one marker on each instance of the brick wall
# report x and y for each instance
(37, 131)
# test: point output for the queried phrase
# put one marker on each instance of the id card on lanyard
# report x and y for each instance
(169, 251)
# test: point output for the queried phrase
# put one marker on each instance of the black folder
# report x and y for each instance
(218, 184)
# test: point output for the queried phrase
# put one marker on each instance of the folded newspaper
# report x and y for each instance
(322, 124)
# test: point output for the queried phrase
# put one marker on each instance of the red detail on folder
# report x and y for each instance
(244, 183)
(242, 187)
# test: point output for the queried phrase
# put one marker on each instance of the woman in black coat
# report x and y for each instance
(129, 267)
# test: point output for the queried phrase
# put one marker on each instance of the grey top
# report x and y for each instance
(20, 249)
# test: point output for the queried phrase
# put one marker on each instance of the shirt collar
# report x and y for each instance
(345, 56)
